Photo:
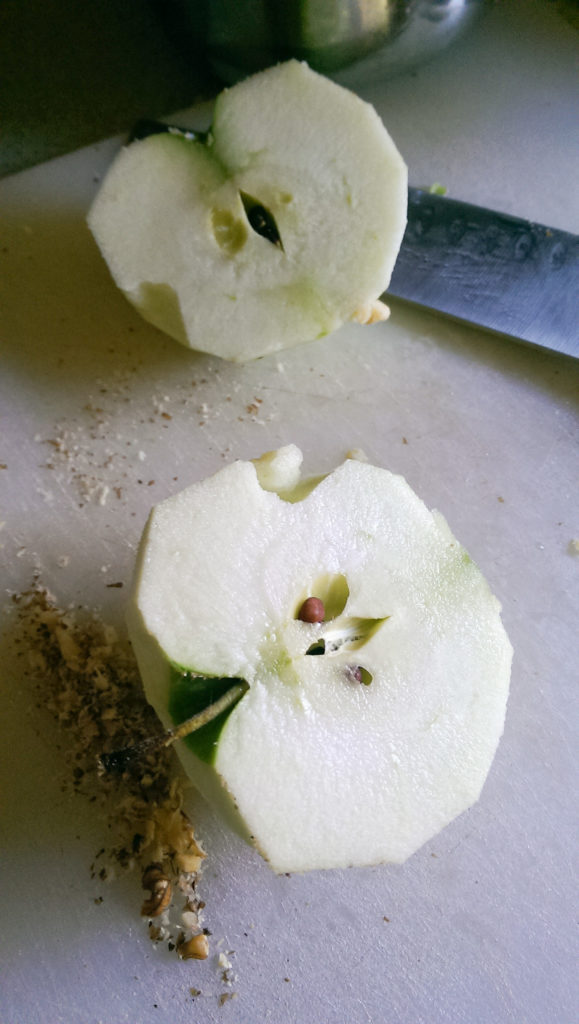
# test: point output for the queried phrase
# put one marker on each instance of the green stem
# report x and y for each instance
(207, 715)
(120, 760)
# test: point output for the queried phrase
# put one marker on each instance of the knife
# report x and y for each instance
(490, 269)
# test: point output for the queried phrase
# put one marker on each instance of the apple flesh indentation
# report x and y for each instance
(229, 231)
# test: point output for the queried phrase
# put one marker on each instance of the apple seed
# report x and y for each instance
(312, 610)
(357, 674)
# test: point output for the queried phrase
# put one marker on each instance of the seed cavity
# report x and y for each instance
(319, 647)
(351, 633)
(339, 635)
(332, 590)
(261, 219)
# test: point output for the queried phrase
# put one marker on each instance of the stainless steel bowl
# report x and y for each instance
(350, 40)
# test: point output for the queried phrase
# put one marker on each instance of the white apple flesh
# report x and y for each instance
(361, 736)
(173, 217)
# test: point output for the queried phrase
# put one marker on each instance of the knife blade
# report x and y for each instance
(499, 272)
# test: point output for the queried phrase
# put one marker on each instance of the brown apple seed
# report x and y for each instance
(312, 610)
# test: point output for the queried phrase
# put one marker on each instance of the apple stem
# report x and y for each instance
(207, 715)
(119, 761)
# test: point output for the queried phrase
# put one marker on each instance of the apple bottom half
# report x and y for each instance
(319, 783)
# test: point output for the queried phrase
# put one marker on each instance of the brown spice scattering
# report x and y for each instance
(312, 610)
(87, 678)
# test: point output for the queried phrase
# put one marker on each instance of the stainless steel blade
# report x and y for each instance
(499, 272)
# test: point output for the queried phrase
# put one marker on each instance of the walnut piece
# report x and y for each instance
(156, 881)
(195, 948)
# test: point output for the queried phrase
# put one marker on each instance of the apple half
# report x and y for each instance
(358, 737)
(281, 224)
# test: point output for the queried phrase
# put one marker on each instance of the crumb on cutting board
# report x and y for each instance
(86, 676)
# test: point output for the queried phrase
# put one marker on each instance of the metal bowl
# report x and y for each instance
(352, 41)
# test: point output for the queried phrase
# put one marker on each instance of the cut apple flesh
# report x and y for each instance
(360, 736)
(282, 225)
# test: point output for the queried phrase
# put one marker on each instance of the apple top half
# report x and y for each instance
(278, 228)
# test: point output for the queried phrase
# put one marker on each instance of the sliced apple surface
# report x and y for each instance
(362, 733)
(281, 225)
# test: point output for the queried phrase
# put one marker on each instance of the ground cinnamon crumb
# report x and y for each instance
(87, 678)
(226, 996)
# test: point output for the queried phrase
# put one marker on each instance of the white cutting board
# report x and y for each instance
(477, 926)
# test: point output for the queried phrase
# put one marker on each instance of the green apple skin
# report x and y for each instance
(314, 768)
(172, 224)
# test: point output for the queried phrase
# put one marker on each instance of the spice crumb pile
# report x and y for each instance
(87, 677)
